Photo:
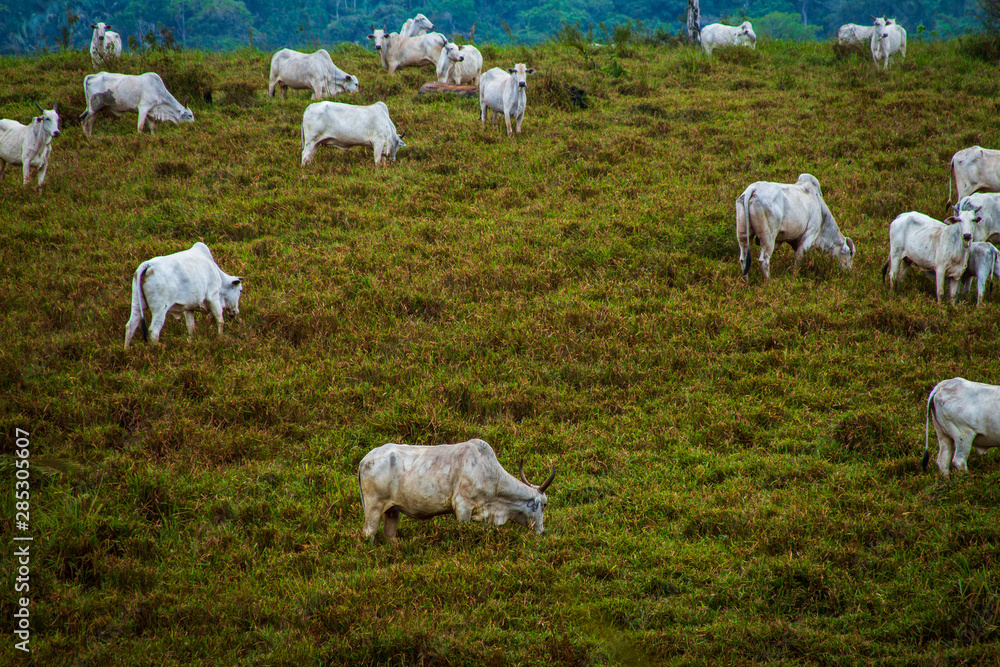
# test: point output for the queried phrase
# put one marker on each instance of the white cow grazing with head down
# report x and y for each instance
(887, 40)
(397, 51)
(309, 71)
(932, 246)
(965, 415)
(29, 145)
(983, 264)
(120, 93)
(852, 33)
(795, 214)
(182, 283)
(105, 45)
(715, 35)
(459, 64)
(987, 207)
(346, 125)
(465, 479)
(418, 25)
(974, 169)
(503, 92)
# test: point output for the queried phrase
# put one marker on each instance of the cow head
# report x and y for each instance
(397, 143)
(421, 22)
(48, 121)
(968, 220)
(349, 84)
(530, 512)
(232, 288)
(520, 72)
(378, 37)
(880, 29)
(99, 30)
(746, 31)
(451, 49)
(847, 254)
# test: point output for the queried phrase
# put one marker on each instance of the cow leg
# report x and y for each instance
(26, 170)
(133, 325)
(216, 308)
(156, 325)
(520, 119)
(506, 118)
(766, 250)
(3, 167)
(143, 112)
(963, 445)
(390, 523)
(945, 444)
(372, 516)
(189, 320)
(41, 173)
(463, 510)
(88, 124)
(953, 288)
(377, 147)
(308, 150)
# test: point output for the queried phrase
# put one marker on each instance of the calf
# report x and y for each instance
(29, 145)
(987, 206)
(182, 283)
(503, 92)
(932, 246)
(965, 415)
(465, 479)
(983, 264)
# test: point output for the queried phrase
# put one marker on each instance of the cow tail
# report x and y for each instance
(927, 427)
(137, 292)
(361, 491)
(885, 268)
(746, 216)
(951, 177)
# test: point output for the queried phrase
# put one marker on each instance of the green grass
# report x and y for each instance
(738, 465)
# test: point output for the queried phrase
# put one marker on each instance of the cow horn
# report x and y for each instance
(520, 469)
(39, 108)
(401, 134)
(55, 107)
(546, 483)
(187, 100)
(850, 244)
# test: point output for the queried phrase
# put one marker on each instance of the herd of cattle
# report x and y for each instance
(466, 479)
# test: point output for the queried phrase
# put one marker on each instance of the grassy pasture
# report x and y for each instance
(739, 473)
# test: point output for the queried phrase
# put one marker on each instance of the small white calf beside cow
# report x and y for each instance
(464, 479)
(29, 145)
(181, 284)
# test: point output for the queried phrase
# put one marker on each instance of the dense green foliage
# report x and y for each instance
(738, 464)
(27, 26)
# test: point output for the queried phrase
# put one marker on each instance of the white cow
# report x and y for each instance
(974, 169)
(182, 283)
(795, 214)
(932, 246)
(346, 125)
(105, 45)
(715, 35)
(887, 40)
(29, 145)
(983, 264)
(309, 71)
(465, 479)
(418, 25)
(459, 64)
(397, 51)
(852, 33)
(503, 92)
(120, 93)
(965, 415)
(987, 206)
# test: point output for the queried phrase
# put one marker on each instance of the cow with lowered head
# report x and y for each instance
(120, 93)
(181, 284)
(795, 214)
(464, 479)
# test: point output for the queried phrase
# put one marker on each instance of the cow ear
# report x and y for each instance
(93, 27)
(530, 70)
(236, 281)
(371, 36)
(950, 219)
(511, 70)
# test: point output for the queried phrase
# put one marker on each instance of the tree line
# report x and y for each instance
(33, 26)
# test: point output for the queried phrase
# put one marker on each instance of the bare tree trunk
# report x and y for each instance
(694, 21)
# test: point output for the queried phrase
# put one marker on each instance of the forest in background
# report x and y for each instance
(37, 26)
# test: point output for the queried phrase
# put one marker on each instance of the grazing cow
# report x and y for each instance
(346, 125)
(715, 35)
(397, 51)
(459, 65)
(418, 25)
(987, 206)
(181, 283)
(502, 92)
(105, 45)
(309, 71)
(974, 169)
(795, 214)
(852, 33)
(932, 246)
(465, 479)
(887, 40)
(29, 145)
(983, 264)
(120, 93)
(965, 415)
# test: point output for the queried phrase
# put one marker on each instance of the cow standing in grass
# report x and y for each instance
(346, 125)
(715, 35)
(974, 169)
(887, 40)
(29, 145)
(459, 65)
(966, 415)
(181, 284)
(120, 93)
(308, 71)
(105, 45)
(464, 479)
(795, 214)
(503, 93)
